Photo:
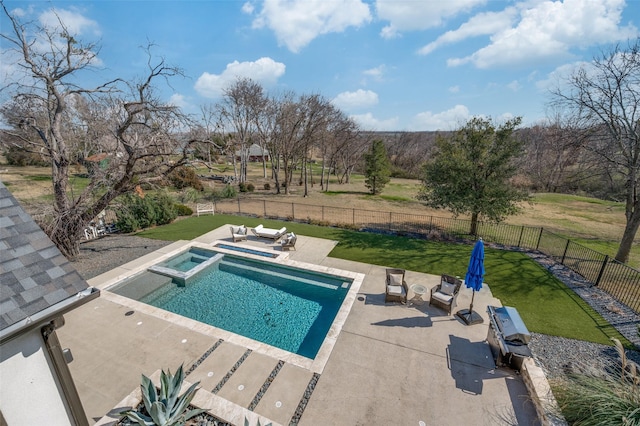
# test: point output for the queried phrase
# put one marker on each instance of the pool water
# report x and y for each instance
(285, 307)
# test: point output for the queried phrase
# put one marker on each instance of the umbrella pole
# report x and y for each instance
(471, 305)
(468, 316)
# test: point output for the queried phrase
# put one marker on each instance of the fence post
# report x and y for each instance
(565, 252)
(239, 209)
(521, 232)
(539, 238)
(390, 220)
(293, 211)
(323, 213)
(601, 273)
(353, 216)
(264, 207)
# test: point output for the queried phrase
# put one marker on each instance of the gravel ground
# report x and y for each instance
(556, 355)
(103, 254)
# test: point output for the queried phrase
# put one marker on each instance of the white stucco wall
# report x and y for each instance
(29, 392)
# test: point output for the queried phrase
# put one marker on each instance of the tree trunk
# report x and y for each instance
(474, 224)
(630, 231)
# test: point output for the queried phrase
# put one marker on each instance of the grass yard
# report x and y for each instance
(546, 305)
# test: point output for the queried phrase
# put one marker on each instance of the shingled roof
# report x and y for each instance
(34, 275)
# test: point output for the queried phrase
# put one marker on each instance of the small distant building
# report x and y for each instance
(256, 154)
(38, 285)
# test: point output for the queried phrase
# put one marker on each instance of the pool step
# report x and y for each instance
(269, 387)
(283, 275)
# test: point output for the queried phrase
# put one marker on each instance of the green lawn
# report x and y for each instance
(546, 305)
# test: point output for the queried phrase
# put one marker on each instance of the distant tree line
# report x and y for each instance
(125, 135)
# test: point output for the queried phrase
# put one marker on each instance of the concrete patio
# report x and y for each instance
(391, 363)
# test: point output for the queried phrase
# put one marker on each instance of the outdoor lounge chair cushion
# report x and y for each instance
(263, 232)
(447, 288)
(239, 230)
(396, 290)
(395, 280)
(445, 298)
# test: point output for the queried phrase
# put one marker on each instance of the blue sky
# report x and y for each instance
(390, 64)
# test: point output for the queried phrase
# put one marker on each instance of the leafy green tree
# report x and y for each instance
(378, 167)
(470, 172)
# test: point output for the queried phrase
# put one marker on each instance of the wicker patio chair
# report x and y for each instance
(396, 287)
(445, 294)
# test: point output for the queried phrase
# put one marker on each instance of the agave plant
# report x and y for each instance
(165, 408)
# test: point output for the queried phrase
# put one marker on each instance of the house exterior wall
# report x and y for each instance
(30, 393)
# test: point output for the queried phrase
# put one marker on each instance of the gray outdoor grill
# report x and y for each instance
(508, 337)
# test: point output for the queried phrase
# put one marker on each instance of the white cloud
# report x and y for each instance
(514, 85)
(480, 24)
(454, 89)
(354, 100)
(248, 8)
(297, 22)
(557, 77)
(545, 29)
(75, 23)
(265, 71)
(376, 73)
(446, 120)
(369, 122)
(178, 100)
(404, 15)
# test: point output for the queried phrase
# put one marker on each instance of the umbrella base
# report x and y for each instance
(469, 318)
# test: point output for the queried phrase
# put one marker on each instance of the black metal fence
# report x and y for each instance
(617, 279)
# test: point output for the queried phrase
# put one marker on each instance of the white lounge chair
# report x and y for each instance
(272, 234)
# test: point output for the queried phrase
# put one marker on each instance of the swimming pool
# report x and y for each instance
(283, 306)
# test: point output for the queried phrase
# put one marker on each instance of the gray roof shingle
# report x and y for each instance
(34, 275)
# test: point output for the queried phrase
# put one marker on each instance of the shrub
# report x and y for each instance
(609, 398)
(242, 187)
(183, 210)
(184, 177)
(19, 157)
(164, 209)
(267, 187)
(168, 407)
(189, 195)
(227, 192)
(136, 212)
(251, 187)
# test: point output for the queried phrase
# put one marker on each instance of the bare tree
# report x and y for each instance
(238, 110)
(135, 130)
(604, 97)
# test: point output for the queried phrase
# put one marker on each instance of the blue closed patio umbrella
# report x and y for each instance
(473, 280)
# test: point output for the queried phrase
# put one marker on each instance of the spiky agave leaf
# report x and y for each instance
(184, 401)
(149, 392)
(138, 418)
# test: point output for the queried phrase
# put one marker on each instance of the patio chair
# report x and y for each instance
(239, 233)
(289, 241)
(272, 234)
(445, 294)
(396, 287)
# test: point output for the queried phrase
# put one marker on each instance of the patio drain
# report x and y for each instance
(305, 399)
(203, 357)
(266, 385)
